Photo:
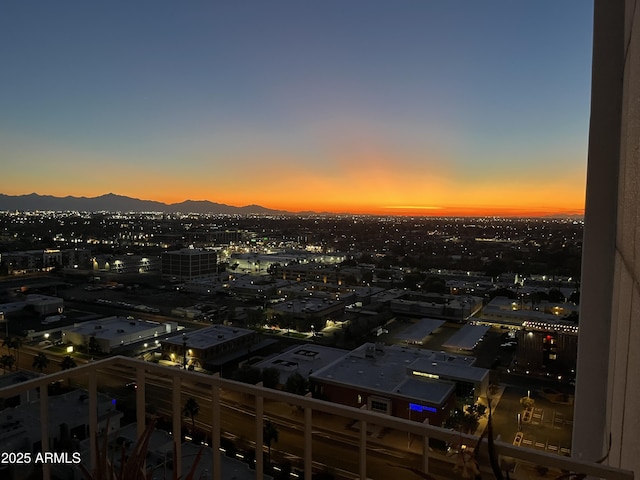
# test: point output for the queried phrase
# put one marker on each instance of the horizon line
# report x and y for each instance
(428, 211)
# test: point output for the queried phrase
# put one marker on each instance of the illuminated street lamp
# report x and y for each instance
(184, 351)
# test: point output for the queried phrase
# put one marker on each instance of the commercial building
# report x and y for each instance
(418, 331)
(305, 314)
(125, 264)
(114, 332)
(455, 308)
(41, 304)
(302, 359)
(547, 351)
(510, 312)
(467, 338)
(399, 381)
(210, 347)
(189, 263)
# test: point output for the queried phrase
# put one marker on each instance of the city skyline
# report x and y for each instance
(412, 109)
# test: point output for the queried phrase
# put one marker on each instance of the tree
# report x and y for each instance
(270, 377)
(527, 402)
(94, 346)
(13, 343)
(297, 384)
(17, 343)
(556, 296)
(7, 342)
(40, 361)
(465, 422)
(269, 434)
(247, 374)
(191, 409)
(7, 361)
(67, 363)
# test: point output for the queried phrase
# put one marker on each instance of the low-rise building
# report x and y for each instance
(209, 347)
(418, 331)
(125, 263)
(114, 332)
(41, 304)
(457, 308)
(305, 314)
(302, 359)
(506, 311)
(404, 382)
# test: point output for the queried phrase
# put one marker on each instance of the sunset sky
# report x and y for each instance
(421, 107)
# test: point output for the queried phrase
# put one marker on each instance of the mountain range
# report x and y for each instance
(119, 203)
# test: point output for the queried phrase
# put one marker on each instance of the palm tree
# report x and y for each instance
(7, 361)
(16, 344)
(40, 361)
(191, 409)
(269, 434)
(67, 363)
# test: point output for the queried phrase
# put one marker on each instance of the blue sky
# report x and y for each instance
(327, 105)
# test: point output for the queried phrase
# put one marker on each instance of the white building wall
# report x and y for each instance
(607, 391)
(624, 364)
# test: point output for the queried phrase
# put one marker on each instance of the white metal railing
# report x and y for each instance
(308, 405)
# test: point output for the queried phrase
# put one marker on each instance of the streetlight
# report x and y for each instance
(184, 351)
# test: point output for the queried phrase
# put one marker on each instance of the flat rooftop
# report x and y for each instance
(466, 338)
(307, 305)
(455, 369)
(113, 327)
(210, 336)
(12, 378)
(303, 359)
(384, 369)
(419, 330)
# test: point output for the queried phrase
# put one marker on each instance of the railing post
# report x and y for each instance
(141, 414)
(363, 448)
(215, 429)
(425, 450)
(259, 436)
(177, 423)
(93, 419)
(44, 430)
(308, 442)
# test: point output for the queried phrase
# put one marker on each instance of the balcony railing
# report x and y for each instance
(255, 396)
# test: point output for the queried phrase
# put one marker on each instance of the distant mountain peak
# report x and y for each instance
(120, 203)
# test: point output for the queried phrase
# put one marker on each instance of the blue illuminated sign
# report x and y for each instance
(421, 408)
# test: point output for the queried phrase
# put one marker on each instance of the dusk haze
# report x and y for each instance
(436, 108)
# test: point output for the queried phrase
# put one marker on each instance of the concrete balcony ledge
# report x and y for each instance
(256, 395)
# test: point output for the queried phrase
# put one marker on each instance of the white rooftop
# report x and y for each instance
(384, 369)
(467, 337)
(114, 327)
(303, 359)
(210, 336)
(418, 330)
